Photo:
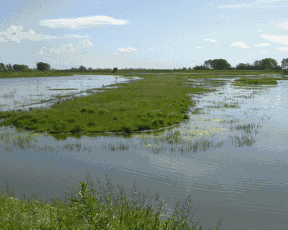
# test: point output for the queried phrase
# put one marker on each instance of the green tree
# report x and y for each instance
(220, 64)
(200, 67)
(268, 63)
(3, 67)
(114, 70)
(284, 63)
(82, 68)
(243, 66)
(17, 67)
(41, 66)
(209, 64)
(9, 67)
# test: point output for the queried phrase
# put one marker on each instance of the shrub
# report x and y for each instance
(102, 111)
(161, 121)
(70, 120)
(155, 123)
(77, 128)
(149, 114)
(59, 126)
(91, 123)
(83, 110)
(91, 111)
(126, 129)
(115, 118)
(186, 116)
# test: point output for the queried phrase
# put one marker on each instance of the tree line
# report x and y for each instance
(264, 64)
(215, 64)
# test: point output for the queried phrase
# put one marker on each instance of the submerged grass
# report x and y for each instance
(86, 211)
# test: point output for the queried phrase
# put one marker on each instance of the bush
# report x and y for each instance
(91, 111)
(91, 123)
(59, 126)
(186, 116)
(126, 129)
(77, 128)
(83, 110)
(70, 120)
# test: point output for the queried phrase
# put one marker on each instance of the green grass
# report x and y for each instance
(86, 211)
(151, 103)
(243, 81)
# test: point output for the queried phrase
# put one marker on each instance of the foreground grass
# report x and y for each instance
(85, 211)
(151, 103)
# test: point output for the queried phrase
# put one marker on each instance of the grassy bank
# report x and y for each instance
(151, 103)
(86, 211)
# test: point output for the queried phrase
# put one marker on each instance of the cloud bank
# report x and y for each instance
(240, 45)
(80, 23)
(15, 34)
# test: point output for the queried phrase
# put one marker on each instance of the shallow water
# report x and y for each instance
(230, 156)
(42, 92)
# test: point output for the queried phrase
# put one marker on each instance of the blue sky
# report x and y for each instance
(141, 34)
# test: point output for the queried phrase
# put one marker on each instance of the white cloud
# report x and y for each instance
(283, 25)
(264, 52)
(260, 31)
(198, 47)
(283, 48)
(240, 44)
(69, 48)
(150, 49)
(127, 50)
(80, 23)
(211, 40)
(257, 4)
(15, 34)
(276, 38)
(262, 45)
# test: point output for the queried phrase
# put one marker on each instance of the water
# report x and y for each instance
(42, 92)
(230, 156)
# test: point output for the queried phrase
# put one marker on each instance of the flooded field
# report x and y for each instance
(230, 157)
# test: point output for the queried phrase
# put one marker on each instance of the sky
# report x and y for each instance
(159, 34)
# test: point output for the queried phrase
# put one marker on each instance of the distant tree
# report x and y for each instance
(114, 70)
(90, 69)
(243, 66)
(9, 67)
(3, 67)
(284, 63)
(217, 64)
(41, 66)
(268, 63)
(209, 64)
(257, 63)
(17, 67)
(201, 67)
(82, 68)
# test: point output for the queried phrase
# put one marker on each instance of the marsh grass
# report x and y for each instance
(91, 209)
(259, 81)
(152, 103)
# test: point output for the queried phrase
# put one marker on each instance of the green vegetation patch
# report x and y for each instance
(259, 81)
(151, 103)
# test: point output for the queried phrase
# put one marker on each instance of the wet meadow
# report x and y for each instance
(166, 127)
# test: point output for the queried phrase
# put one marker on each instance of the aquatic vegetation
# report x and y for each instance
(88, 208)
